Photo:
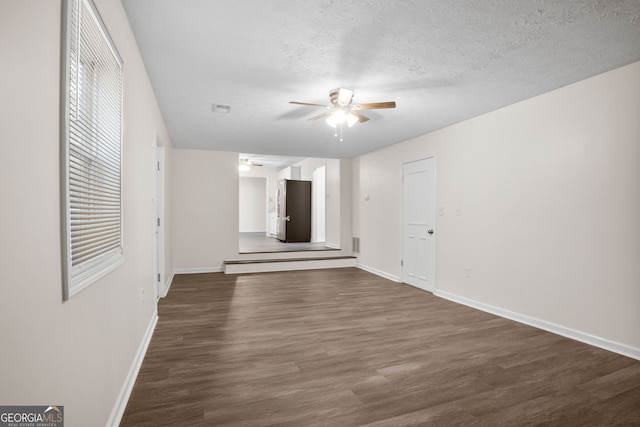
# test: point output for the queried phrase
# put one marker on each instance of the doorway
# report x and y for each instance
(325, 210)
(419, 214)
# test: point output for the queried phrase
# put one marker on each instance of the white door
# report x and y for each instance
(419, 231)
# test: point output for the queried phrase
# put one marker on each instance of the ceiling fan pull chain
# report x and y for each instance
(341, 132)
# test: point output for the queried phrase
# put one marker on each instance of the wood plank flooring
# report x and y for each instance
(343, 347)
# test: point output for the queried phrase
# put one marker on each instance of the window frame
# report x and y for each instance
(84, 172)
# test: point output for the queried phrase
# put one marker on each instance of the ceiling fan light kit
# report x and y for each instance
(341, 110)
(341, 116)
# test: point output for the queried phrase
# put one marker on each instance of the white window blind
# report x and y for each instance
(92, 140)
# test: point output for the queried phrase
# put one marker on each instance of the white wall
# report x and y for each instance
(271, 175)
(346, 215)
(333, 200)
(77, 353)
(252, 193)
(167, 234)
(319, 204)
(549, 191)
(204, 209)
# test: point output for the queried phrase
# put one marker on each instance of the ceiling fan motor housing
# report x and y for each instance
(341, 97)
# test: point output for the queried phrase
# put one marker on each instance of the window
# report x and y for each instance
(91, 149)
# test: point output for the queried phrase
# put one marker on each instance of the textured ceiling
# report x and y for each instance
(442, 62)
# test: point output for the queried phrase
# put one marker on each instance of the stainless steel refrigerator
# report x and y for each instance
(294, 211)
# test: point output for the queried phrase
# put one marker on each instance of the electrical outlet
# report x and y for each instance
(441, 211)
(458, 210)
(141, 295)
(467, 272)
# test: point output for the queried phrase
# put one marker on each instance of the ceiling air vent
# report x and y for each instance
(221, 108)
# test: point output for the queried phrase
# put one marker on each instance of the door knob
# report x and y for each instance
(287, 218)
(430, 231)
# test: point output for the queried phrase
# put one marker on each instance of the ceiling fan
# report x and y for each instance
(341, 110)
(245, 164)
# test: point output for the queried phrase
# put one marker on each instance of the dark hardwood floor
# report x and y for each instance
(343, 347)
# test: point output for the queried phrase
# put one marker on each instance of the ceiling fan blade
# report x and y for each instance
(320, 116)
(360, 117)
(375, 105)
(307, 103)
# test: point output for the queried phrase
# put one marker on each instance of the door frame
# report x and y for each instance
(433, 201)
(161, 290)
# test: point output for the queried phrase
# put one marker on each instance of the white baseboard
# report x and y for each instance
(593, 340)
(197, 270)
(378, 272)
(125, 393)
(167, 285)
(332, 245)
